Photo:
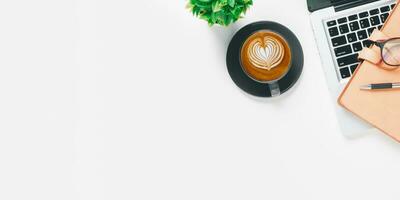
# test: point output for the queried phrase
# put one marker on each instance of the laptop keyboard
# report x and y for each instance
(349, 34)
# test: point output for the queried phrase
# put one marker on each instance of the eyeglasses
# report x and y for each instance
(390, 51)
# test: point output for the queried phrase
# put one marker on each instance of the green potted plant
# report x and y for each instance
(222, 12)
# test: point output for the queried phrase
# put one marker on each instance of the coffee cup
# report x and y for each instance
(266, 57)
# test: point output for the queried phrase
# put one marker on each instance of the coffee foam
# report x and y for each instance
(265, 56)
(265, 53)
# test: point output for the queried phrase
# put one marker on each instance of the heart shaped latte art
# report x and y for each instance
(266, 53)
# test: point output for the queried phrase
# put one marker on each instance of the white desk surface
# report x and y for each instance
(129, 99)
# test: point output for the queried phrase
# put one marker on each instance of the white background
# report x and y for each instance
(131, 99)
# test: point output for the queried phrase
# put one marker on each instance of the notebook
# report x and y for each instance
(379, 108)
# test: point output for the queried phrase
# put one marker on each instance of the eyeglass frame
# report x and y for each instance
(381, 44)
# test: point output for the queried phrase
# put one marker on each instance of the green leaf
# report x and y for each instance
(231, 3)
(222, 12)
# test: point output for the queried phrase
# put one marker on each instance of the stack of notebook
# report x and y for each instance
(379, 108)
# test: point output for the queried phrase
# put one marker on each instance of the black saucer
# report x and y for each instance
(245, 82)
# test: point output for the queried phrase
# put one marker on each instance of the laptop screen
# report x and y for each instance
(314, 5)
(340, 2)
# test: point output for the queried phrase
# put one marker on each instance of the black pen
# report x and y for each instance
(380, 86)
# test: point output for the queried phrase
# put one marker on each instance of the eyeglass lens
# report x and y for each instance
(391, 52)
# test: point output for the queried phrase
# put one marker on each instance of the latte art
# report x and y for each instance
(266, 53)
(265, 56)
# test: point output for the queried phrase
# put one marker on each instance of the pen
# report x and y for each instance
(380, 86)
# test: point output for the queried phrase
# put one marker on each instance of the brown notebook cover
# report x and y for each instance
(379, 108)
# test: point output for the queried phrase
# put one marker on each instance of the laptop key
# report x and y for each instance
(384, 17)
(374, 12)
(363, 15)
(380, 27)
(354, 26)
(375, 20)
(347, 60)
(331, 23)
(370, 30)
(385, 9)
(342, 20)
(353, 17)
(392, 6)
(344, 50)
(362, 35)
(364, 23)
(337, 41)
(333, 31)
(352, 37)
(345, 72)
(357, 47)
(344, 29)
(353, 68)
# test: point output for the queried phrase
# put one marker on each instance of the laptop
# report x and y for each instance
(341, 29)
